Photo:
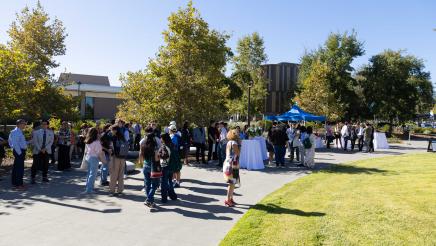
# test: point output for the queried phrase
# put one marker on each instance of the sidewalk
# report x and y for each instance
(56, 213)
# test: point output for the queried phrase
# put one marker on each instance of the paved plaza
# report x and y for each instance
(57, 214)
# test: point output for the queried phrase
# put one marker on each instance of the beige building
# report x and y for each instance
(282, 82)
(99, 98)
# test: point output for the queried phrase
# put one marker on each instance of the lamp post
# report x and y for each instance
(78, 88)
(250, 84)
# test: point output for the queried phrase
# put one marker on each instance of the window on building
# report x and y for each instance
(89, 108)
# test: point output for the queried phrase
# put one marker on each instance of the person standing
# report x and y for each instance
(211, 140)
(64, 142)
(148, 155)
(118, 161)
(295, 147)
(371, 143)
(35, 128)
(353, 136)
(231, 166)
(338, 135)
(185, 142)
(18, 144)
(199, 140)
(303, 136)
(222, 143)
(345, 132)
(367, 137)
(290, 133)
(175, 138)
(329, 136)
(53, 146)
(310, 151)
(94, 153)
(42, 142)
(137, 129)
(106, 143)
(279, 139)
(168, 162)
(360, 131)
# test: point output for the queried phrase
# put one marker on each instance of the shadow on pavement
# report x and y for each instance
(274, 209)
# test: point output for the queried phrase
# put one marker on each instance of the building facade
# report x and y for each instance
(99, 98)
(281, 83)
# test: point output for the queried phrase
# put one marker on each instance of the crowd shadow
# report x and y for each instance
(347, 169)
(275, 209)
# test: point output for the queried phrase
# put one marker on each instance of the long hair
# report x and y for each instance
(167, 140)
(119, 135)
(91, 135)
(149, 147)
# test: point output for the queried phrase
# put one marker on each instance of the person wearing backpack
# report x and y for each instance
(309, 147)
(149, 156)
(176, 140)
(116, 168)
(168, 162)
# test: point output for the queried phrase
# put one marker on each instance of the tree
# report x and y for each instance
(395, 86)
(14, 76)
(185, 80)
(38, 41)
(337, 54)
(248, 68)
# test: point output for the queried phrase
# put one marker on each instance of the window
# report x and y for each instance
(89, 108)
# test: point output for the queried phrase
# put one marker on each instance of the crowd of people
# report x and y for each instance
(163, 153)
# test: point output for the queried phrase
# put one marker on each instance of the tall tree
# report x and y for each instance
(39, 41)
(185, 80)
(33, 34)
(337, 53)
(248, 68)
(395, 86)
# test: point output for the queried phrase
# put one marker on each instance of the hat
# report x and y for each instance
(173, 128)
(173, 123)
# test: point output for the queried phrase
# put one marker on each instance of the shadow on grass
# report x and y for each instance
(274, 209)
(348, 169)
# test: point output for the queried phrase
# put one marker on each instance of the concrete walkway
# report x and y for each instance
(56, 213)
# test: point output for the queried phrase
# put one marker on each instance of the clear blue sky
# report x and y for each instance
(113, 37)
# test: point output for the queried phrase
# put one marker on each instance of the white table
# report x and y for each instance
(262, 147)
(251, 155)
(319, 143)
(380, 141)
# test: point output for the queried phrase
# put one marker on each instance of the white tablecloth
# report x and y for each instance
(263, 149)
(380, 141)
(319, 143)
(251, 155)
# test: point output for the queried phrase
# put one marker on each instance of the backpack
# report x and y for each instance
(122, 149)
(163, 153)
(306, 143)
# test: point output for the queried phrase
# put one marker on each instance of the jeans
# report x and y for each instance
(297, 152)
(151, 185)
(18, 169)
(92, 173)
(280, 152)
(167, 185)
(104, 171)
(346, 142)
(221, 153)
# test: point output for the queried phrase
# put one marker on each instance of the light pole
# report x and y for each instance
(78, 88)
(250, 84)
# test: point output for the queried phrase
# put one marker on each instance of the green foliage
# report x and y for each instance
(55, 123)
(250, 56)
(403, 76)
(325, 78)
(27, 87)
(185, 80)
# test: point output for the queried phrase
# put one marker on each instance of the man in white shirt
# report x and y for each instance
(18, 144)
(222, 144)
(345, 132)
(360, 132)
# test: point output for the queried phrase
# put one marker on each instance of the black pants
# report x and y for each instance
(211, 153)
(360, 142)
(64, 157)
(371, 145)
(137, 140)
(297, 152)
(353, 142)
(40, 162)
(18, 168)
(200, 148)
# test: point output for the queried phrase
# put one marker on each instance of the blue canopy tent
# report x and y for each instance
(296, 114)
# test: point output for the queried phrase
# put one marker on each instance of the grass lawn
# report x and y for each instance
(382, 201)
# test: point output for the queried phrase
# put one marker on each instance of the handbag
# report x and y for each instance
(156, 170)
